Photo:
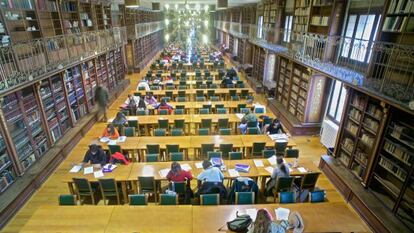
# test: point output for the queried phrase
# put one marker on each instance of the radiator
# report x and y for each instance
(329, 132)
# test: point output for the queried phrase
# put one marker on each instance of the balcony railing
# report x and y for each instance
(23, 62)
(143, 29)
(382, 67)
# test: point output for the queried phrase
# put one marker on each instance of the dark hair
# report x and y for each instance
(283, 167)
(262, 222)
(175, 168)
(120, 115)
(206, 164)
(93, 148)
(141, 104)
(111, 128)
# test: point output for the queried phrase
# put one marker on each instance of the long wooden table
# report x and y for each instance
(321, 217)
(191, 93)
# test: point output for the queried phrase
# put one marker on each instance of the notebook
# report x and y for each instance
(242, 167)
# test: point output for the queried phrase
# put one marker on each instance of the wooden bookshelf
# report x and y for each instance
(75, 92)
(363, 119)
(284, 81)
(231, 44)
(52, 95)
(119, 64)
(87, 20)
(89, 81)
(7, 172)
(69, 10)
(117, 15)
(20, 19)
(398, 26)
(110, 63)
(101, 71)
(106, 14)
(259, 59)
(4, 35)
(240, 50)
(98, 10)
(49, 19)
(301, 16)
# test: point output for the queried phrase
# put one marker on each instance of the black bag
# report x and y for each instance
(240, 224)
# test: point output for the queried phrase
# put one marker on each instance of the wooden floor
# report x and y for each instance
(309, 146)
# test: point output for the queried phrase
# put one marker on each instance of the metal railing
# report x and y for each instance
(144, 29)
(26, 61)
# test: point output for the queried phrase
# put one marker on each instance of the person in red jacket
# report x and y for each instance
(165, 105)
(176, 174)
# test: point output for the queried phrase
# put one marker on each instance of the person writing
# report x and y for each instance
(248, 117)
(150, 99)
(142, 106)
(165, 105)
(143, 84)
(110, 132)
(176, 174)
(120, 119)
(95, 155)
(281, 170)
(275, 127)
(210, 174)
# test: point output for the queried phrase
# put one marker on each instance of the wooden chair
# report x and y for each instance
(283, 184)
(168, 199)
(138, 199)
(147, 185)
(287, 197)
(109, 188)
(244, 198)
(209, 199)
(67, 199)
(84, 189)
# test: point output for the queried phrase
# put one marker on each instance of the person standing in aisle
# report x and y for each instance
(102, 99)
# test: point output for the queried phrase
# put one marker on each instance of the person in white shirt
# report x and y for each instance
(143, 83)
(210, 173)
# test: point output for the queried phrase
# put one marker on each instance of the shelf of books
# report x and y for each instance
(283, 82)
(49, 19)
(363, 120)
(70, 16)
(117, 15)
(7, 173)
(87, 21)
(107, 21)
(89, 81)
(98, 10)
(301, 17)
(20, 19)
(398, 25)
(240, 50)
(75, 92)
(101, 71)
(119, 63)
(52, 95)
(259, 57)
(4, 35)
(248, 17)
(23, 120)
(231, 44)
(392, 179)
(110, 59)
(320, 14)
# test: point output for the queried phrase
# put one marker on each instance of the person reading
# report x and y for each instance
(110, 132)
(281, 170)
(95, 155)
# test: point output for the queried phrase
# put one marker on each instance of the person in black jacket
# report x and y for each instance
(275, 127)
(95, 155)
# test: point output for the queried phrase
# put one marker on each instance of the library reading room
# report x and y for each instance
(203, 116)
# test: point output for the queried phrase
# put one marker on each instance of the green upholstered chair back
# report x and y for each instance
(244, 198)
(67, 199)
(209, 199)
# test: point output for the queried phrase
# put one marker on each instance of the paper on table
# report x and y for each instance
(133, 118)
(164, 172)
(302, 169)
(269, 169)
(87, 170)
(233, 173)
(252, 213)
(104, 139)
(282, 213)
(239, 115)
(98, 174)
(272, 160)
(112, 142)
(258, 163)
(290, 169)
(122, 139)
(75, 169)
(110, 120)
(199, 165)
(186, 167)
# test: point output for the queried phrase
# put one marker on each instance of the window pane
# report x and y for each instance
(368, 27)
(259, 27)
(346, 47)
(341, 104)
(351, 25)
(361, 26)
(334, 98)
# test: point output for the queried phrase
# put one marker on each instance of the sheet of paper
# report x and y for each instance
(290, 169)
(258, 163)
(112, 142)
(282, 213)
(199, 165)
(239, 115)
(110, 120)
(133, 118)
(233, 173)
(252, 213)
(186, 167)
(87, 170)
(164, 172)
(109, 166)
(302, 169)
(98, 174)
(269, 169)
(272, 160)
(104, 139)
(75, 169)
(122, 139)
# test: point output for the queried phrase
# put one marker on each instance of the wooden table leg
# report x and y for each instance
(124, 191)
(134, 186)
(70, 186)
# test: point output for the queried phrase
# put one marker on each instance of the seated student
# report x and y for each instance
(143, 84)
(165, 105)
(110, 132)
(131, 104)
(275, 127)
(150, 99)
(248, 117)
(281, 170)
(142, 106)
(120, 119)
(176, 174)
(95, 155)
(264, 224)
(226, 81)
(210, 173)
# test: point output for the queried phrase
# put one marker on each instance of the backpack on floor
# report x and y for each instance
(240, 224)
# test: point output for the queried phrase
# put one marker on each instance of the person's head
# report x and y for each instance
(206, 164)
(163, 102)
(276, 121)
(93, 148)
(282, 165)
(175, 167)
(148, 95)
(111, 128)
(262, 222)
(141, 104)
(120, 115)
